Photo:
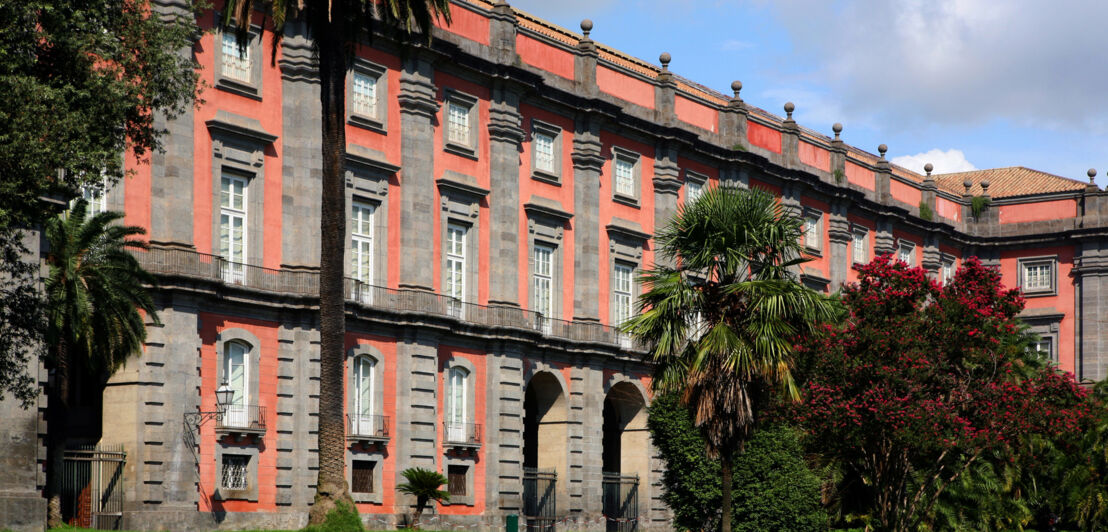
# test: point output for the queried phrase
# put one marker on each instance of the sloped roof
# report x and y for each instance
(1010, 181)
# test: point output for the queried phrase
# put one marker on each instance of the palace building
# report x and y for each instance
(503, 187)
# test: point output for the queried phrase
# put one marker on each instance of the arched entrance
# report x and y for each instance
(544, 449)
(626, 455)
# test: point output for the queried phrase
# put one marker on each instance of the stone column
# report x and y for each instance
(732, 119)
(418, 106)
(1091, 285)
(928, 192)
(838, 232)
(505, 137)
(502, 33)
(790, 138)
(665, 93)
(301, 157)
(589, 405)
(932, 258)
(417, 426)
(667, 183)
(584, 62)
(882, 176)
(504, 411)
(838, 157)
(883, 241)
(587, 164)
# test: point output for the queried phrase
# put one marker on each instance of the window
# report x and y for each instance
(543, 280)
(361, 476)
(906, 252)
(96, 196)
(456, 479)
(860, 245)
(363, 415)
(947, 271)
(236, 62)
(625, 177)
(232, 227)
(457, 123)
(1045, 346)
(234, 471)
(621, 293)
(236, 359)
(693, 189)
(361, 241)
(813, 230)
(455, 267)
(460, 124)
(1036, 277)
(544, 152)
(364, 94)
(456, 415)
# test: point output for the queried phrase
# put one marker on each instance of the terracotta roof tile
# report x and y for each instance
(1007, 182)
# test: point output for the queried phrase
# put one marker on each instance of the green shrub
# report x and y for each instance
(342, 519)
(774, 488)
(840, 176)
(978, 205)
(925, 211)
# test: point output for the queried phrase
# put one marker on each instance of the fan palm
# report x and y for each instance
(423, 484)
(720, 323)
(96, 296)
(335, 26)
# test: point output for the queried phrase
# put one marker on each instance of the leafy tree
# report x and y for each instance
(925, 386)
(1085, 471)
(424, 485)
(720, 322)
(773, 487)
(96, 297)
(81, 84)
(335, 26)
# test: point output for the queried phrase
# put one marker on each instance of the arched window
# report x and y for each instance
(364, 408)
(457, 417)
(236, 367)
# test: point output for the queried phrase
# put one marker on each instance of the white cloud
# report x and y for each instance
(944, 162)
(963, 62)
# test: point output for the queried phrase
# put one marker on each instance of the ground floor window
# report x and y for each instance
(233, 476)
(456, 476)
(362, 476)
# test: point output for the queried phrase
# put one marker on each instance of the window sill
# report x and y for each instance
(366, 122)
(626, 200)
(238, 87)
(546, 177)
(458, 149)
(1040, 293)
(815, 252)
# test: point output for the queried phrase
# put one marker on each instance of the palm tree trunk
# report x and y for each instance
(331, 486)
(421, 503)
(725, 473)
(57, 406)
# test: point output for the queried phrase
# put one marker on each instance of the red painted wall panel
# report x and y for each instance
(948, 209)
(544, 56)
(1036, 212)
(858, 175)
(624, 86)
(695, 113)
(763, 137)
(466, 23)
(1062, 302)
(905, 192)
(814, 156)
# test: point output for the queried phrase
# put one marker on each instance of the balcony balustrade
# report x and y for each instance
(367, 428)
(462, 434)
(242, 419)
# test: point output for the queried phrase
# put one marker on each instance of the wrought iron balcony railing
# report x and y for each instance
(462, 434)
(184, 263)
(242, 418)
(367, 427)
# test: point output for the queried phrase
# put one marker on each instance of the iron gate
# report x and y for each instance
(539, 499)
(621, 502)
(92, 487)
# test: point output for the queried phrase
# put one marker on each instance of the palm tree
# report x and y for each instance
(424, 485)
(335, 26)
(96, 297)
(719, 324)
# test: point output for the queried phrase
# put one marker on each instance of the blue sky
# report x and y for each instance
(962, 84)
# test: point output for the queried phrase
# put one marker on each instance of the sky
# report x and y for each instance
(962, 84)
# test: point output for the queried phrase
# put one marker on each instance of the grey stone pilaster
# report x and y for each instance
(665, 93)
(790, 197)
(504, 470)
(591, 404)
(417, 110)
(584, 62)
(297, 418)
(790, 138)
(302, 160)
(932, 257)
(732, 119)
(502, 33)
(667, 183)
(881, 177)
(575, 432)
(1091, 285)
(417, 371)
(928, 192)
(883, 241)
(505, 136)
(587, 164)
(838, 232)
(838, 156)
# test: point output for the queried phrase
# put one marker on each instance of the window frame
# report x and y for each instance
(816, 217)
(855, 232)
(357, 257)
(694, 178)
(901, 245)
(618, 294)
(1051, 262)
(554, 175)
(234, 270)
(449, 257)
(635, 160)
(251, 88)
(378, 121)
(947, 271)
(372, 476)
(470, 149)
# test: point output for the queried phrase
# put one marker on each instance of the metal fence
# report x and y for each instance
(92, 487)
(189, 264)
(621, 502)
(540, 508)
(464, 433)
(243, 417)
(372, 426)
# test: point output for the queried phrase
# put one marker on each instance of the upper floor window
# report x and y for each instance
(906, 252)
(361, 241)
(364, 408)
(236, 367)
(947, 272)
(1037, 275)
(456, 265)
(460, 117)
(236, 61)
(625, 176)
(232, 226)
(364, 94)
(544, 152)
(458, 123)
(542, 276)
(367, 87)
(693, 189)
(622, 295)
(1045, 346)
(860, 245)
(457, 417)
(813, 230)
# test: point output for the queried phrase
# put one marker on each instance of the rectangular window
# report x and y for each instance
(625, 177)
(906, 252)
(361, 476)
(543, 144)
(364, 94)
(232, 227)
(361, 241)
(543, 280)
(860, 246)
(813, 230)
(457, 123)
(234, 470)
(1036, 277)
(236, 62)
(96, 197)
(622, 282)
(456, 266)
(948, 271)
(1046, 347)
(456, 477)
(693, 190)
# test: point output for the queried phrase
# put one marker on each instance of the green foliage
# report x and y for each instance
(343, 518)
(773, 489)
(840, 176)
(738, 147)
(978, 204)
(424, 485)
(925, 211)
(1085, 471)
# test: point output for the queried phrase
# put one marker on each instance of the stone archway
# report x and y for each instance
(545, 441)
(625, 455)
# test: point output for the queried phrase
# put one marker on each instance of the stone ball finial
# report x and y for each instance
(586, 27)
(928, 168)
(665, 59)
(837, 128)
(985, 186)
(789, 108)
(736, 86)
(967, 183)
(1092, 174)
(882, 149)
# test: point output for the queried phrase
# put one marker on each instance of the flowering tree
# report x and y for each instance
(921, 382)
